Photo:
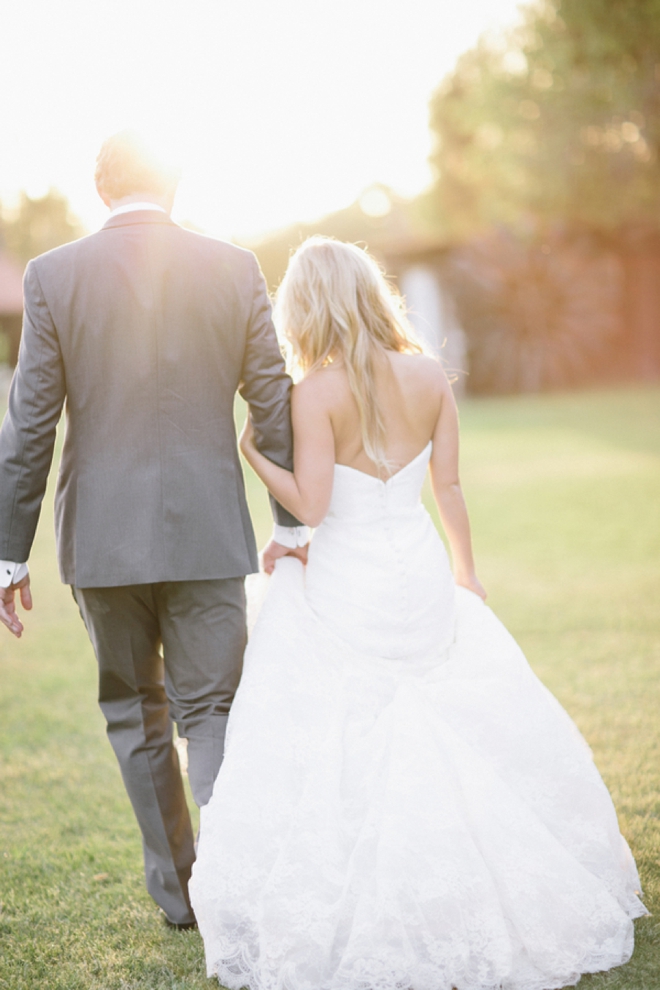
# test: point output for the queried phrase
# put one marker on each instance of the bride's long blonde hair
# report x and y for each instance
(334, 304)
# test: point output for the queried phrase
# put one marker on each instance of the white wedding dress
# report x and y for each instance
(402, 803)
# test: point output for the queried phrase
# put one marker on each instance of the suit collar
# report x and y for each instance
(138, 217)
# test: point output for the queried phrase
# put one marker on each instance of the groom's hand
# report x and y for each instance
(8, 613)
(273, 551)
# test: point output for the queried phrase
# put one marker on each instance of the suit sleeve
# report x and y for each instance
(266, 388)
(27, 436)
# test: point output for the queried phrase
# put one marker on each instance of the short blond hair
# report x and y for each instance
(335, 303)
(126, 165)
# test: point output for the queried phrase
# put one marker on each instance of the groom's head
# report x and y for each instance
(126, 168)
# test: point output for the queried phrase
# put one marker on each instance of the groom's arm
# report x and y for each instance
(266, 387)
(27, 437)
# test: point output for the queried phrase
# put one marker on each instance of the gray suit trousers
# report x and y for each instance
(200, 626)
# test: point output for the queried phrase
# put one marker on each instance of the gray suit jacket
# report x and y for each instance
(147, 330)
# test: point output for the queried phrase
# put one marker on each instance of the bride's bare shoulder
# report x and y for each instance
(421, 370)
(322, 387)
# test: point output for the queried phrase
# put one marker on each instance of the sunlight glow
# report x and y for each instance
(277, 109)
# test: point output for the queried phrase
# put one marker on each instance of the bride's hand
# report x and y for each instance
(472, 583)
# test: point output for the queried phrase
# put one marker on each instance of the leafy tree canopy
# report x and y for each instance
(557, 122)
(37, 225)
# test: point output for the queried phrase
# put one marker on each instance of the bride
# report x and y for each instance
(402, 803)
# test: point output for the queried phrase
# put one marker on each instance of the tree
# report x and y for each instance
(38, 225)
(557, 124)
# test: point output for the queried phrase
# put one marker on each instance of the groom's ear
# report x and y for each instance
(103, 194)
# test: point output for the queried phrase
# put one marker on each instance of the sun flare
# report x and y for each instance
(276, 111)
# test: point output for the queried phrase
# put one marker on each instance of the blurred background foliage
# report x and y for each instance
(533, 260)
(540, 313)
(558, 122)
(547, 160)
(37, 225)
(32, 226)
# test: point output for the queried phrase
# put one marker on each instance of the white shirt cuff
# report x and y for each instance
(11, 573)
(291, 536)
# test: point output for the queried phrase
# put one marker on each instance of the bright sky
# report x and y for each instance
(278, 109)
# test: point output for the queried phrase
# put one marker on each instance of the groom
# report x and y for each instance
(147, 331)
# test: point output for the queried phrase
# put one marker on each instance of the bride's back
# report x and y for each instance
(351, 339)
(409, 393)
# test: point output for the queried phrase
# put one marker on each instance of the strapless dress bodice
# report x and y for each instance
(363, 497)
(377, 566)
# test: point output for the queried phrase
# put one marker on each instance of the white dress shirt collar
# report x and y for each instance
(130, 207)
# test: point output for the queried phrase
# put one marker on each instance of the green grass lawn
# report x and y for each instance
(564, 493)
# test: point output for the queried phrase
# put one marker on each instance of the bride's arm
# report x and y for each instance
(306, 491)
(448, 493)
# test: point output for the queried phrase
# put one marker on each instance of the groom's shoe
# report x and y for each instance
(179, 926)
